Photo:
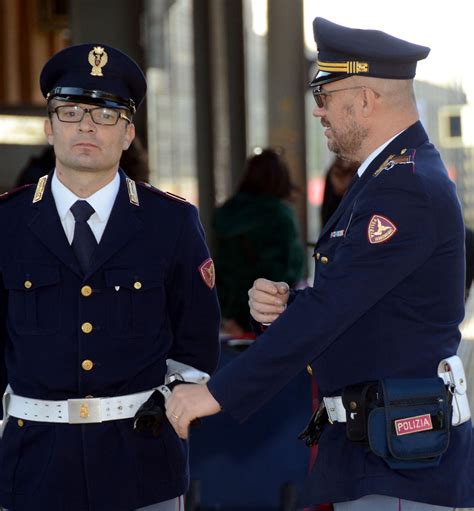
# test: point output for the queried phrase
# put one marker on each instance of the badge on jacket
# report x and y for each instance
(380, 229)
(208, 273)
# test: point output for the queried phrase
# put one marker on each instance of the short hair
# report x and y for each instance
(267, 173)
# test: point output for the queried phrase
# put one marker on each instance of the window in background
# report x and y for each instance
(255, 41)
(170, 100)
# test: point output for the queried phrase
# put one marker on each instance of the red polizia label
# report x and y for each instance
(413, 425)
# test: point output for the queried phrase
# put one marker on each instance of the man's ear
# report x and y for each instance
(368, 101)
(48, 131)
(129, 136)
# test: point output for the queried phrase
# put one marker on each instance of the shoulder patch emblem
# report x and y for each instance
(208, 273)
(380, 229)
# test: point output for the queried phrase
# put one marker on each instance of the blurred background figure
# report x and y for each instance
(134, 162)
(256, 235)
(338, 177)
(37, 166)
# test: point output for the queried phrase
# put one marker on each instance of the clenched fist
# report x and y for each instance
(267, 300)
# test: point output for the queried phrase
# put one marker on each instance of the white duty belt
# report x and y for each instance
(451, 371)
(92, 410)
(76, 411)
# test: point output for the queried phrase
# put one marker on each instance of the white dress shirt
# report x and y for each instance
(102, 201)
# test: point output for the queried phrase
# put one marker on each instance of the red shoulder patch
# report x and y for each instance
(168, 195)
(380, 229)
(15, 191)
(208, 273)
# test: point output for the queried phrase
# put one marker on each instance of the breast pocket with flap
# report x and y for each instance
(137, 302)
(34, 296)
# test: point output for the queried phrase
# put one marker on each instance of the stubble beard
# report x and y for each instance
(347, 143)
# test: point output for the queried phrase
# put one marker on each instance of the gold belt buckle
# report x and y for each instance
(84, 411)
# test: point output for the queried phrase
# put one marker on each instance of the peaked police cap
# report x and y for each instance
(94, 73)
(344, 51)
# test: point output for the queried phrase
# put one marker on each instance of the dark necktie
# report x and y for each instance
(84, 242)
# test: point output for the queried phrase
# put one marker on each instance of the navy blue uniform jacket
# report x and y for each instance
(376, 310)
(99, 467)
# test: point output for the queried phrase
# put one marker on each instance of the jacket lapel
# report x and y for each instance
(46, 226)
(123, 225)
(356, 185)
(414, 136)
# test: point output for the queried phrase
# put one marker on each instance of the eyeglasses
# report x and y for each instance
(99, 115)
(320, 94)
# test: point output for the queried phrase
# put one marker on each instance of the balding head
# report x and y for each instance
(394, 94)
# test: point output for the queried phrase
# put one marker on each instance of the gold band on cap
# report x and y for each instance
(351, 67)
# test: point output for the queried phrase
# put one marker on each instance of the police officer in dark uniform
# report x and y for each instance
(379, 328)
(107, 293)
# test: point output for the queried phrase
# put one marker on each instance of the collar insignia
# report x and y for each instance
(383, 166)
(208, 273)
(132, 192)
(393, 160)
(97, 59)
(40, 187)
(380, 229)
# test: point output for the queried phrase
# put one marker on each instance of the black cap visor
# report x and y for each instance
(321, 78)
(95, 97)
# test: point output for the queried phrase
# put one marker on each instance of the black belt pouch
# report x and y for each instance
(359, 400)
(411, 429)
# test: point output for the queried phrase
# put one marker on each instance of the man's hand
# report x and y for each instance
(267, 300)
(188, 402)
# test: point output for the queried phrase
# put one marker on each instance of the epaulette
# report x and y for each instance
(405, 157)
(15, 191)
(168, 195)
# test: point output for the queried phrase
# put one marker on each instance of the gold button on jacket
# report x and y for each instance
(87, 365)
(87, 328)
(86, 291)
